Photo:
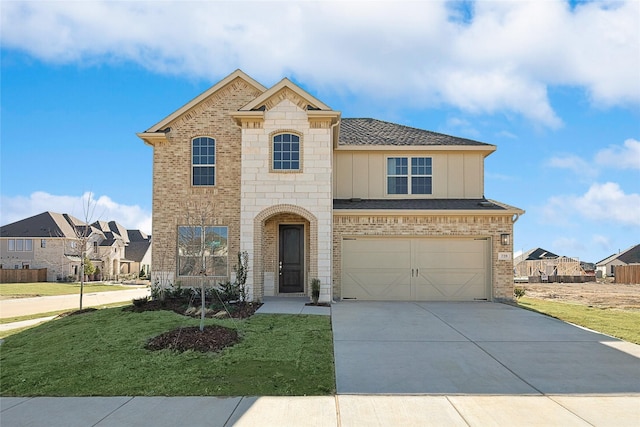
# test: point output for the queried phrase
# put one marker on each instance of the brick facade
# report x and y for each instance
(175, 200)
(252, 199)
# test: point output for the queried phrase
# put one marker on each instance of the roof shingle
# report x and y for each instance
(378, 132)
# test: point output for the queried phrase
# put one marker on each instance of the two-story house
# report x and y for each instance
(375, 210)
(55, 241)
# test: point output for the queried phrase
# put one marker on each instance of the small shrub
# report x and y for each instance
(227, 292)
(241, 274)
(518, 292)
(315, 290)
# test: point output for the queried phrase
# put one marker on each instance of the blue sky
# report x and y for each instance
(555, 85)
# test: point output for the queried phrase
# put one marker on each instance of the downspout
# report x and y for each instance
(333, 127)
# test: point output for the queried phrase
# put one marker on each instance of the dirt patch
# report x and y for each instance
(601, 295)
(211, 339)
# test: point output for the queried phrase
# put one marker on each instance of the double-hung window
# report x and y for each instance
(286, 152)
(20, 245)
(203, 251)
(409, 175)
(203, 161)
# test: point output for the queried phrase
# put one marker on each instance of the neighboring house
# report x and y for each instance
(542, 263)
(375, 210)
(53, 241)
(138, 253)
(607, 267)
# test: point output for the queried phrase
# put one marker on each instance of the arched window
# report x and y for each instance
(286, 152)
(203, 161)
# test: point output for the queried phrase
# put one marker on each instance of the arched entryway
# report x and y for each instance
(286, 248)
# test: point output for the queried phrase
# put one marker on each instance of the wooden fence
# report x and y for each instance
(629, 274)
(562, 279)
(23, 275)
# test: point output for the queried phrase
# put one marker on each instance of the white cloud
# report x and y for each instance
(573, 163)
(602, 242)
(606, 203)
(613, 157)
(103, 208)
(626, 157)
(568, 246)
(503, 57)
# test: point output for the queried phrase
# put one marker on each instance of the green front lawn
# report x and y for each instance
(42, 289)
(102, 354)
(623, 324)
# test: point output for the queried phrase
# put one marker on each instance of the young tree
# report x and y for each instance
(196, 245)
(84, 233)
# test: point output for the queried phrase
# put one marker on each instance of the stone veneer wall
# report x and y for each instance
(173, 194)
(306, 193)
(430, 226)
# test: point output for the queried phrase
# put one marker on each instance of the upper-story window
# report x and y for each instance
(409, 175)
(286, 152)
(20, 245)
(203, 160)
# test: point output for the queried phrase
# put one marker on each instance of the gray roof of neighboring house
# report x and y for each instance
(137, 250)
(418, 204)
(137, 236)
(628, 256)
(378, 132)
(538, 254)
(112, 227)
(46, 224)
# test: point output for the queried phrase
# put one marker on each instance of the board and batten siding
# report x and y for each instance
(363, 174)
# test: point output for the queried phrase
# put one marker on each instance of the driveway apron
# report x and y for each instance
(473, 348)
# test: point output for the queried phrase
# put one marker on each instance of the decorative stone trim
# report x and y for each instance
(258, 231)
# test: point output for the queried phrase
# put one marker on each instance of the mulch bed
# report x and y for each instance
(180, 306)
(211, 339)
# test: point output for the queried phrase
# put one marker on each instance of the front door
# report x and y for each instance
(291, 259)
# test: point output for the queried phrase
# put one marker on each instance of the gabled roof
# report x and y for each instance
(46, 224)
(310, 102)
(535, 254)
(162, 124)
(137, 250)
(628, 256)
(355, 132)
(138, 236)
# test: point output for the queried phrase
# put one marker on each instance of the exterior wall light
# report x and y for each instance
(505, 239)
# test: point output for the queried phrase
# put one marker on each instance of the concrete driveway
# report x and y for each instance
(473, 348)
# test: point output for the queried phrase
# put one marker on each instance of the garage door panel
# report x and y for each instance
(445, 285)
(416, 269)
(391, 284)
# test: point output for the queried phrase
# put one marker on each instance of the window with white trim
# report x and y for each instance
(286, 152)
(20, 245)
(203, 250)
(203, 161)
(409, 175)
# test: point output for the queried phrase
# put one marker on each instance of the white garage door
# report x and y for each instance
(415, 269)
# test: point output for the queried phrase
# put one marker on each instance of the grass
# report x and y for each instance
(623, 324)
(41, 289)
(102, 354)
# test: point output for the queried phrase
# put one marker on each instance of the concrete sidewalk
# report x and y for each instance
(27, 306)
(341, 410)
